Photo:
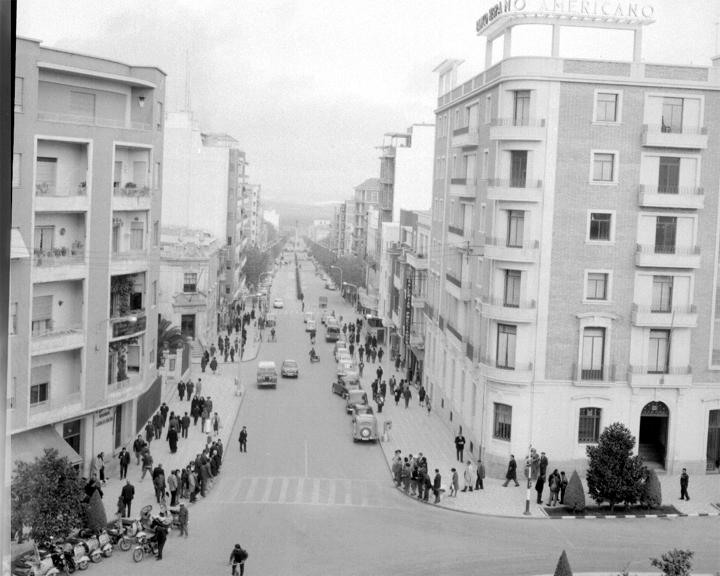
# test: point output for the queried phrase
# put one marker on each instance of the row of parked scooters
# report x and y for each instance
(77, 552)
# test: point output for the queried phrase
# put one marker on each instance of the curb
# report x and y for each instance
(631, 516)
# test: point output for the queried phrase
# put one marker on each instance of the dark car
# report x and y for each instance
(289, 368)
(344, 384)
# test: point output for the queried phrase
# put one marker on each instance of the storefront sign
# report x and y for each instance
(103, 417)
(408, 308)
(127, 328)
(578, 7)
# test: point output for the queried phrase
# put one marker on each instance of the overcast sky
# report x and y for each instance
(309, 87)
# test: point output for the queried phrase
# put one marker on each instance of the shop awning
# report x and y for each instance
(419, 353)
(18, 249)
(26, 446)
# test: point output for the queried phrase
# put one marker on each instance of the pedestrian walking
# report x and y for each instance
(183, 519)
(195, 414)
(563, 487)
(172, 485)
(147, 465)
(190, 387)
(421, 395)
(124, 458)
(380, 353)
(405, 475)
(397, 363)
(172, 439)
(374, 387)
(459, 446)
(684, 481)
(360, 367)
(216, 424)
(379, 372)
(454, 483)
(159, 484)
(203, 364)
(198, 388)
(436, 486)
(407, 395)
(181, 390)
(209, 405)
(427, 405)
(127, 494)
(469, 477)
(383, 389)
(98, 467)
(157, 424)
(511, 472)
(351, 349)
(480, 473)
(204, 417)
(232, 354)
(380, 403)
(213, 365)
(137, 446)
(243, 439)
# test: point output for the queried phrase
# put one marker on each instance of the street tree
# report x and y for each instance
(674, 563)
(169, 338)
(47, 495)
(614, 474)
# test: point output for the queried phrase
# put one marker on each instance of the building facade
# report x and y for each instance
(367, 194)
(87, 193)
(574, 256)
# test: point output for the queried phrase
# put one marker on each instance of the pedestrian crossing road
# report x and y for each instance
(307, 491)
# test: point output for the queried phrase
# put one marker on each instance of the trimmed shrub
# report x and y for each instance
(563, 566)
(652, 490)
(575, 494)
(96, 517)
(674, 563)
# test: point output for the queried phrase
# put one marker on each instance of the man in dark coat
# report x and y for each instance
(137, 446)
(243, 439)
(181, 390)
(383, 389)
(185, 424)
(164, 409)
(684, 481)
(543, 464)
(203, 362)
(379, 372)
(172, 438)
(539, 485)
(124, 458)
(511, 472)
(361, 351)
(92, 485)
(380, 402)
(160, 536)
(127, 494)
(436, 485)
(380, 353)
(459, 446)
(374, 387)
(157, 424)
(190, 387)
(149, 432)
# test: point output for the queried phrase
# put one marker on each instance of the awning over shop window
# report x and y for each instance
(419, 354)
(18, 249)
(26, 446)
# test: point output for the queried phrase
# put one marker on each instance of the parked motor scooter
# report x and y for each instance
(117, 536)
(91, 545)
(79, 554)
(51, 563)
(145, 545)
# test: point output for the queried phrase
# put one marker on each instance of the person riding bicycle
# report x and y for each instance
(312, 354)
(237, 558)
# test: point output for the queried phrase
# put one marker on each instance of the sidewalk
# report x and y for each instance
(413, 431)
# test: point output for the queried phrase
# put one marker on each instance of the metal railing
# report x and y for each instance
(644, 309)
(499, 301)
(502, 365)
(649, 369)
(505, 243)
(514, 183)
(454, 331)
(441, 322)
(459, 181)
(663, 129)
(143, 191)
(519, 122)
(129, 382)
(49, 259)
(677, 190)
(470, 351)
(54, 191)
(55, 330)
(92, 121)
(605, 373)
(665, 249)
(465, 130)
(455, 230)
(453, 280)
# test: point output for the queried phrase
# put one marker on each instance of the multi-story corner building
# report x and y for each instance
(87, 188)
(208, 169)
(574, 255)
(367, 194)
(388, 270)
(192, 267)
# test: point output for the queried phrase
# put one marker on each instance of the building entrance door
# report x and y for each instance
(118, 426)
(652, 441)
(713, 443)
(187, 325)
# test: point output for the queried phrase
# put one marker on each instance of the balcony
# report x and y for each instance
(417, 335)
(689, 198)
(418, 260)
(61, 199)
(125, 389)
(660, 136)
(397, 282)
(500, 249)
(667, 256)
(463, 187)
(456, 338)
(132, 199)
(515, 190)
(659, 377)
(517, 129)
(91, 121)
(55, 409)
(597, 376)
(497, 309)
(54, 266)
(466, 137)
(460, 289)
(455, 235)
(517, 374)
(128, 262)
(57, 339)
(675, 317)
(121, 327)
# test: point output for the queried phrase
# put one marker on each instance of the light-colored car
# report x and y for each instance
(343, 356)
(342, 349)
(345, 367)
(339, 344)
(308, 316)
(355, 397)
(310, 326)
(277, 303)
(364, 424)
(330, 286)
(289, 369)
(266, 374)
(352, 371)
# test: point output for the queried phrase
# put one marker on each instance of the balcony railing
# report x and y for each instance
(129, 254)
(503, 365)
(666, 249)
(677, 190)
(453, 280)
(52, 190)
(470, 351)
(662, 129)
(91, 121)
(136, 192)
(520, 122)
(465, 130)
(429, 312)
(56, 258)
(455, 230)
(497, 301)
(689, 309)
(454, 331)
(514, 183)
(441, 322)
(650, 369)
(605, 373)
(505, 243)
(55, 402)
(54, 330)
(461, 181)
(132, 379)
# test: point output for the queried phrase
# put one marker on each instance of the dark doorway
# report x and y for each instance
(118, 425)
(652, 441)
(187, 325)
(713, 444)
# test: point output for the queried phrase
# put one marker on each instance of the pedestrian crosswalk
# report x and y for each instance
(308, 491)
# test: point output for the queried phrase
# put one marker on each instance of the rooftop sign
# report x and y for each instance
(577, 8)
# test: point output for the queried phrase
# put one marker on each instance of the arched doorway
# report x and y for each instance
(653, 437)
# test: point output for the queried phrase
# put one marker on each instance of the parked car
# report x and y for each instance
(364, 424)
(277, 303)
(343, 356)
(289, 369)
(310, 326)
(344, 384)
(308, 316)
(339, 344)
(345, 367)
(355, 397)
(323, 301)
(342, 349)
(330, 286)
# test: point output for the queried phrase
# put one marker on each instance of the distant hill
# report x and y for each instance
(304, 213)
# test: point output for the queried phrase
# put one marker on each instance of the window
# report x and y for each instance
(156, 233)
(82, 104)
(137, 231)
(42, 315)
(18, 94)
(589, 425)
(44, 238)
(672, 113)
(597, 284)
(40, 384)
(606, 107)
(485, 163)
(516, 223)
(521, 112)
(593, 352)
(116, 237)
(659, 352)
(154, 292)
(481, 223)
(502, 426)
(669, 175)
(512, 289)
(600, 226)
(159, 119)
(156, 176)
(227, 289)
(13, 318)
(603, 167)
(506, 346)
(16, 170)
(665, 232)
(518, 168)
(662, 294)
(46, 174)
(39, 393)
(488, 108)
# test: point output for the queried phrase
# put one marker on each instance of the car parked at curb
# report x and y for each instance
(364, 423)
(354, 398)
(344, 384)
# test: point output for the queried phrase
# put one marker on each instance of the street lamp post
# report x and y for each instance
(338, 268)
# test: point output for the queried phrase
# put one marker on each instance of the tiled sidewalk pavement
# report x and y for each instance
(413, 431)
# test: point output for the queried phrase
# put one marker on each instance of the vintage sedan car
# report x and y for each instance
(343, 356)
(346, 367)
(308, 316)
(327, 314)
(344, 385)
(340, 350)
(289, 369)
(354, 398)
(277, 303)
(310, 326)
(330, 286)
(364, 424)
(352, 370)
